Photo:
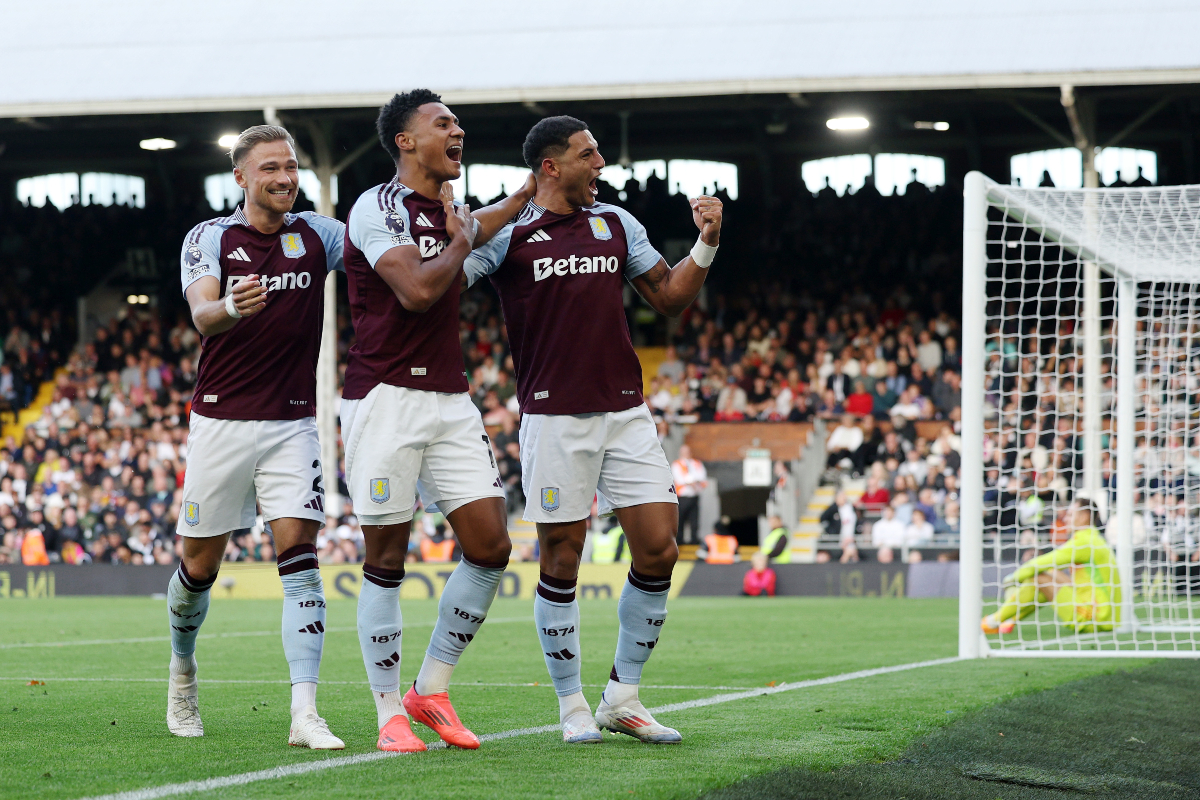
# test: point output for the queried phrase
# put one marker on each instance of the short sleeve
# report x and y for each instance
(333, 236)
(201, 254)
(488, 258)
(374, 231)
(642, 256)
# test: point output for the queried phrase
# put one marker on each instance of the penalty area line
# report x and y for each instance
(292, 770)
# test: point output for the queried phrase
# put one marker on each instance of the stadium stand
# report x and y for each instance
(95, 473)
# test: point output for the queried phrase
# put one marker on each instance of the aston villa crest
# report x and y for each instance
(550, 498)
(381, 490)
(600, 228)
(293, 244)
(191, 513)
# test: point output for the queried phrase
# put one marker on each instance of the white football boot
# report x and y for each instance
(183, 710)
(631, 718)
(309, 730)
(580, 728)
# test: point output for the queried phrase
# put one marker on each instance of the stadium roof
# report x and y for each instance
(76, 57)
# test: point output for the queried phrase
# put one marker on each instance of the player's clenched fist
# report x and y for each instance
(249, 296)
(706, 213)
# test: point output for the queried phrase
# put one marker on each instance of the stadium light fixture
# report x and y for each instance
(931, 126)
(157, 144)
(228, 140)
(847, 124)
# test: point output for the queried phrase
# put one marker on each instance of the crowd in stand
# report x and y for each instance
(98, 476)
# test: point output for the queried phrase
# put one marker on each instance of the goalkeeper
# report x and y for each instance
(1080, 579)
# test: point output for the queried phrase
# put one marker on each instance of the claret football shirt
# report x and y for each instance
(393, 345)
(265, 366)
(560, 279)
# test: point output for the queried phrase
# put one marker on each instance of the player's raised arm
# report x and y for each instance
(213, 314)
(419, 284)
(494, 217)
(670, 290)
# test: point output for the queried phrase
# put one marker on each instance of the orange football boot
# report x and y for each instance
(989, 625)
(397, 737)
(435, 711)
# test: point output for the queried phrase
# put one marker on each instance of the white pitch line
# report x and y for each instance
(229, 635)
(290, 770)
(285, 682)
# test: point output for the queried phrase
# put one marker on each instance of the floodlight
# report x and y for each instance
(157, 144)
(228, 140)
(847, 124)
(143, 299)
(931, 126)
(132, 299)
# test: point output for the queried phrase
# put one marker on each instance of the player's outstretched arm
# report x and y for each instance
(213, 314)
(419, 284)
(494, 217)
(669, 290)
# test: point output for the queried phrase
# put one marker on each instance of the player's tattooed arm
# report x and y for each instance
(419, 284)
(209, 312)
(669, 290)
(494, 217)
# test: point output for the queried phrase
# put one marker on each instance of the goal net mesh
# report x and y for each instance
(1055, 356)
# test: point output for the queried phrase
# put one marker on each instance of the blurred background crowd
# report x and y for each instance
(873, 353)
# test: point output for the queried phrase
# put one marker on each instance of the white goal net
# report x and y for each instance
(1081, 421)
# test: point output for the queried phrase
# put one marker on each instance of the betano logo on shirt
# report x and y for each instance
(574, 265)
(431, 247)
(288, 280)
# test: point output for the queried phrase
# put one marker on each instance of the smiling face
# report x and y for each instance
(433, 137)
(577, 169)
(270, 175)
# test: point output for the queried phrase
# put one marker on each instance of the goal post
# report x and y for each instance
(1081, 386)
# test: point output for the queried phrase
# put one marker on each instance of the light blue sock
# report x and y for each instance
(642, 610)
(187, 606)
(303, 612)
(465, 602)
(556, 613)
(379, 627)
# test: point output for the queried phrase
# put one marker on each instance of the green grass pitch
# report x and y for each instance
(97, 724)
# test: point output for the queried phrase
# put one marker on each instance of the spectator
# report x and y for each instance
(840, 519)
(860, 403)
(919, 531)
(690, 481)
(875, 497)
(888, 531)
(843, 443)
(759, 580)
(671, 368)
(882, 400)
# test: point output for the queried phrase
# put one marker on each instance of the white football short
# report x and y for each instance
(402, 441)
(231, 462)
(566, 459)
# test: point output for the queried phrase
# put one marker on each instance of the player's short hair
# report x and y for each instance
(395, 114)
(549, 138)
(256, 135)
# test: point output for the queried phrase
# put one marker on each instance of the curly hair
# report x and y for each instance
(549, 138)
(395, 115)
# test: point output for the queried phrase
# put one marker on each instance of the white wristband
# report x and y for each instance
(230, 308)
(703, 254)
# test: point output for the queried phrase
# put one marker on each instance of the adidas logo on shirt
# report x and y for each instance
(424, 220)
(238, 255)
(539, 236)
